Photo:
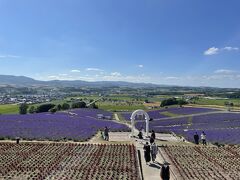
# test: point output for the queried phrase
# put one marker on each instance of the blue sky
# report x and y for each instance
(192, 43)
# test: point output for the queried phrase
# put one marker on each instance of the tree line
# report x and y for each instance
(50, 107)
(173, 101)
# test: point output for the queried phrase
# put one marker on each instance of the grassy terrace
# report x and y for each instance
(120, 107)
(169, 114)
(13, 108)
(9, 109)
(218, 102)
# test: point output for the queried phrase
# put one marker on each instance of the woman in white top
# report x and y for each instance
(203, 138)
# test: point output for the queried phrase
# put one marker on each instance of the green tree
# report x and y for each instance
(169, 102)
(93, 106)
(59, 107)
(181, 102)
(65, 106)
(226, 103)
(146, 101)
(32, 110)
(80, 104)
(53, 110)
(44, 107)
(23, 108)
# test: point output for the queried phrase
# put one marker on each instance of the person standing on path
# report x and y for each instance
(165, 172)
(106, 133)
(147, 153)
(196, 138)
(102, 134)
(153, 135)
(203, 138)
(140, 135)
(151, 140)
(154, 151)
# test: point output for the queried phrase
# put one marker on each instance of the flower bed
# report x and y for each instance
(195, 162)
(68, 161)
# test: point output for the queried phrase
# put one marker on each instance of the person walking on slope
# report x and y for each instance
(196, 138)
(154, 151)
(165, 173)
(106, 135)
(147, 150)
(203, 138)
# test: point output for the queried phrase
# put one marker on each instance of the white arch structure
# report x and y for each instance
(141, 113)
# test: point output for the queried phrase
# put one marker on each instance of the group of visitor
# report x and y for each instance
(203, 138)
(150, 150)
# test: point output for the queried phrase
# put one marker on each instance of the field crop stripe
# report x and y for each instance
(233, 152)
(58, 159)
(211, 161)
(5, 148)
(193, 115)
(17, 162)
(160, 152)
(178, 165)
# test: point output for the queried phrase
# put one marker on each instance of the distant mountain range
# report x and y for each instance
(26, 81)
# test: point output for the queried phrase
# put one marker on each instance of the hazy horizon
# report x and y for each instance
(161, 42)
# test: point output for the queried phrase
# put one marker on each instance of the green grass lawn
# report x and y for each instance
(169, 114)
(14, 108)
(120, 117)
(9, 109)
(116, 107)
(83, 97)
(218, 102)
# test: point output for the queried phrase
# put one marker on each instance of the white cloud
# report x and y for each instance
(228, 48)
(53, 77)
(9, 56)
(128, 78)
(115, 74)
(211, 51)
(224, 71)
(140, 66)
(59, 77)
(75, 71)
(218, 78)
(93, 69)
(171, 78)
(214, 50)
(63, 74)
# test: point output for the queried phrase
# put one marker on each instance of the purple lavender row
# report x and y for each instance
(57, 126)
(190, 110)
(156, 114)
(222, 127)
(223, 136)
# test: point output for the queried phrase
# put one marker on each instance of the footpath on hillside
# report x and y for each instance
(152, 171)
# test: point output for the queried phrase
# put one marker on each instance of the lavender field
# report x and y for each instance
(219, 127)
(178, 111)
(59, 126)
